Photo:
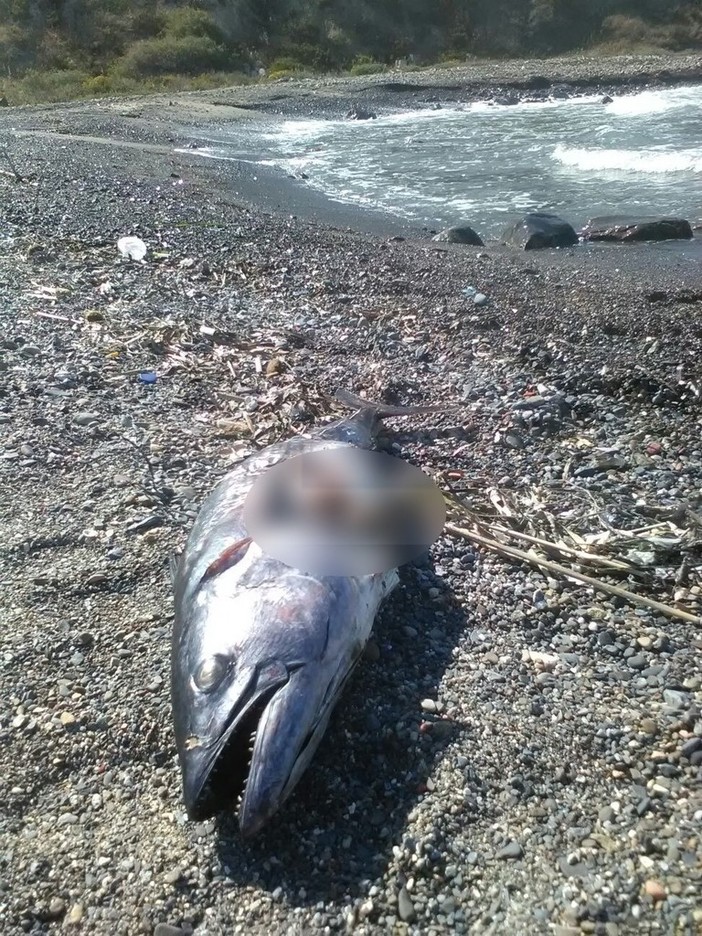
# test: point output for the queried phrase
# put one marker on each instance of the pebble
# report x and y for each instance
(86, 419)
(75, 914)
(512, 850)
(655, 890)
(405, 907)
(690, 747)
(676, 700)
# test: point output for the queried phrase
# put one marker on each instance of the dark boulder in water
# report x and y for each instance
(510, 99)
(635, 229)
(541, 229)
(360, 113)
(460, 234)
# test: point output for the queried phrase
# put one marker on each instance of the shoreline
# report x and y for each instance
(173, 123)
(517, 751)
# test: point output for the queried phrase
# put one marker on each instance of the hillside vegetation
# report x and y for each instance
(52, 49)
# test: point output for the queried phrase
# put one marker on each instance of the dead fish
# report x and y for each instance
(260, 650)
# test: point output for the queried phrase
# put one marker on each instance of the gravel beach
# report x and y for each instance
(518, 751)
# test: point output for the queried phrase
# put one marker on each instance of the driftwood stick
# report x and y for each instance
(555, 567)
(567, 550)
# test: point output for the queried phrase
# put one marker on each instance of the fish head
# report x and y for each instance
(257, 666)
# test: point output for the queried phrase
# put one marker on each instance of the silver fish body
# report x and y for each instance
(261, 650)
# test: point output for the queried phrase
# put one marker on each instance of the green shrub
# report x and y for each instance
(189, 21)
(285, 63)
(44, 85)
(98, 84)
(298, 72)
(187, 55)
(367, 68)
(317, 58)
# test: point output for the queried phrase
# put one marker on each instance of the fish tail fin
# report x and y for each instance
(384, 410)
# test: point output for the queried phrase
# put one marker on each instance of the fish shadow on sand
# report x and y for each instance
(352, 805)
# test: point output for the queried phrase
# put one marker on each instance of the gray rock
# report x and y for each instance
(459, 234)
(631, 229)
(405, 907)
(511, 851)
(675, 699)
(539, 230)
(165, 929)
(690, 747)
(86, 419)
(360, 113)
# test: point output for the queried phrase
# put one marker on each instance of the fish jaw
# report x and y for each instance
(296, 717)
(289, 732)
(226, 751)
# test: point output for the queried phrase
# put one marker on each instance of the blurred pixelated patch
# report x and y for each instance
(344, 511)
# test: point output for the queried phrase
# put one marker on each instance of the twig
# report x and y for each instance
(558, 569)
(13, 169)
(569, 551)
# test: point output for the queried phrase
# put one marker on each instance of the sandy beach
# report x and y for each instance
(518, 751)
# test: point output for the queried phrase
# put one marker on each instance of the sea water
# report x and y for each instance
(486, 163)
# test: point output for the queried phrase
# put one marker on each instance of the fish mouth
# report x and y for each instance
(215, 778)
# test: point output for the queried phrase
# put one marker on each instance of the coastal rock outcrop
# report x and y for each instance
(459, 234)
(634, 229)
(540, 229)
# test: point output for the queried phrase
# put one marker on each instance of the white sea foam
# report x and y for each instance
(654, 102)
(625, 160)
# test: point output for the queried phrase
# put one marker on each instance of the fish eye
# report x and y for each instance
(211, 672)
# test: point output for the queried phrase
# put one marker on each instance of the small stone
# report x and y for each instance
(480, 299)
(690, 747)
(655, 890)
(405, 907)
(606, 814)
(429, 705)
(173, 876)
(165, 929)
(643, 805)
(66, 819)
(57, 906)
(67, 718)
(636, 662)
(86, 419)
(75, 914)
(511, 851)
(648, 726)
(675, 699)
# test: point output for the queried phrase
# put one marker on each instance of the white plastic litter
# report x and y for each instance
(132, 247)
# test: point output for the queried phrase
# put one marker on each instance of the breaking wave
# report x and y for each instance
(625, 160)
